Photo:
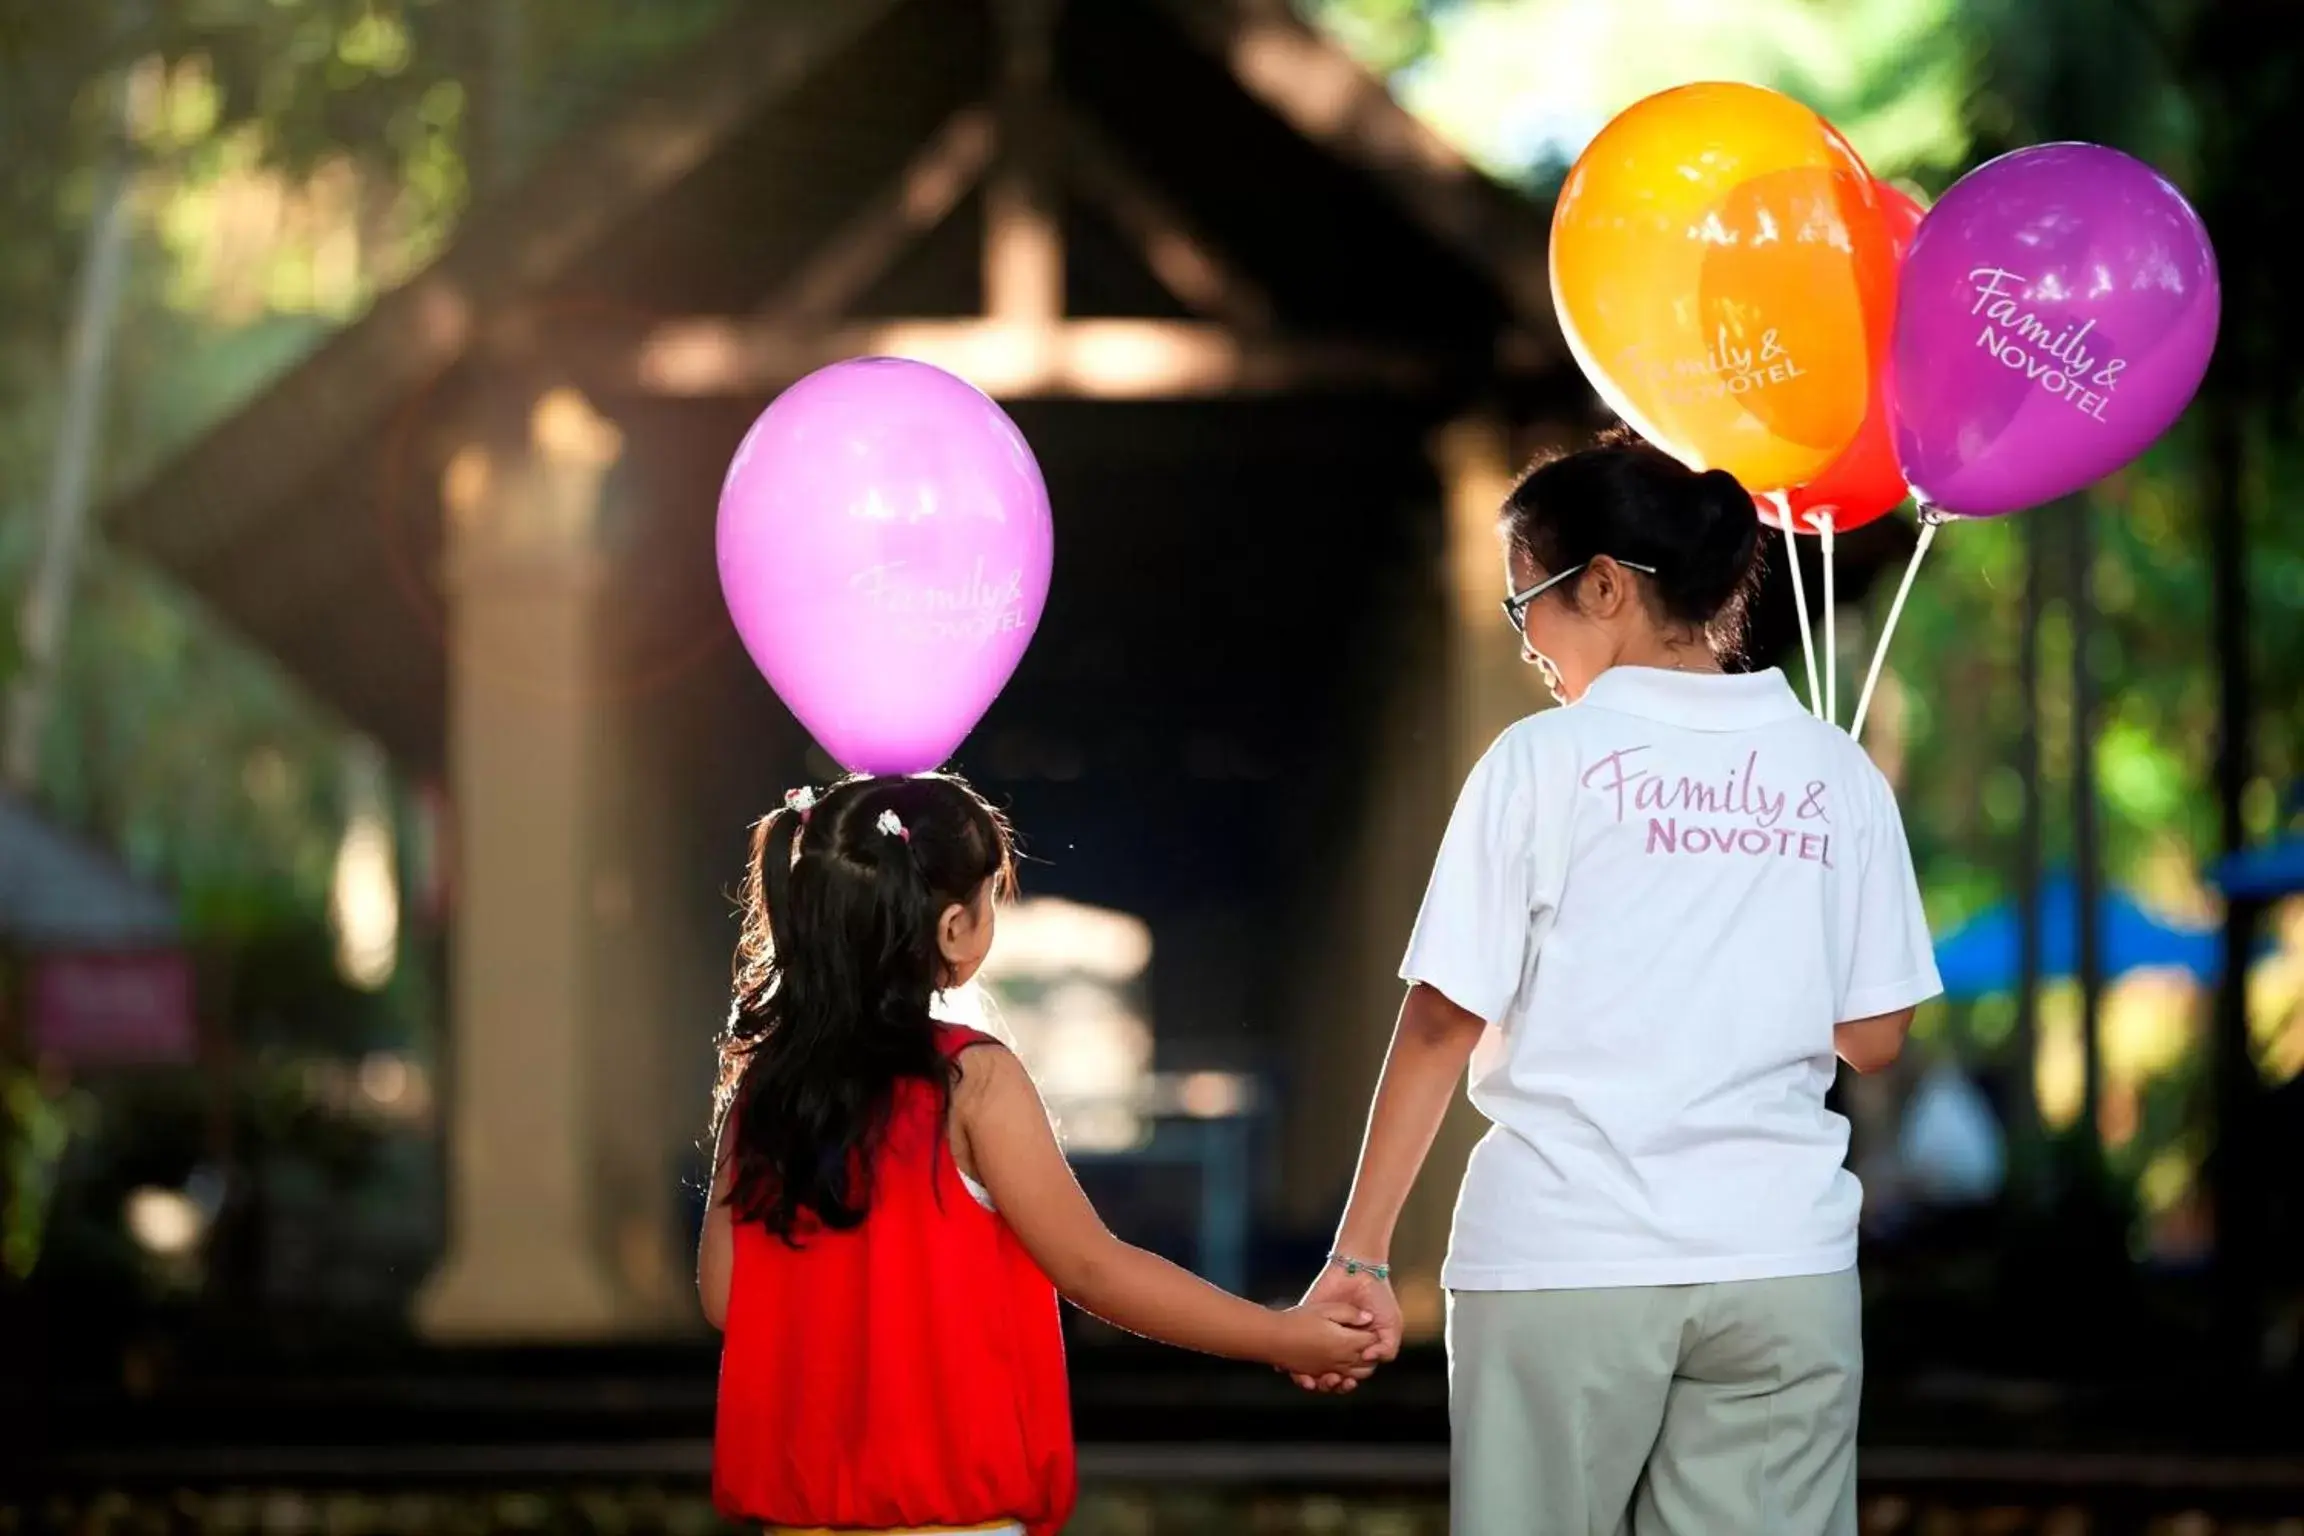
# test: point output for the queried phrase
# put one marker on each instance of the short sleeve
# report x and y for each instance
(1473, 931)
(1891, 962)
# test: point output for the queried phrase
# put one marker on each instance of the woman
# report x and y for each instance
(1655, 919)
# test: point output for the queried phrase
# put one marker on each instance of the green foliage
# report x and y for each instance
(1386, 35)
(1520, 83)
(171, 739)
(313, 128)
(39, 1119)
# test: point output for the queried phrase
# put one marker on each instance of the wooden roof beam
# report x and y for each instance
(1023, 238)
(738, 357)
(947, 168)
(954, 162)
(1313, 86)
(1187, 264)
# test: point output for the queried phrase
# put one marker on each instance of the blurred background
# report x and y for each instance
(378, 756)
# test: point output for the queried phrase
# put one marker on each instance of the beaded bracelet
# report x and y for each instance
(1352, 1266)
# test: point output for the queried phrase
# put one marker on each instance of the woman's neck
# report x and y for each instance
(1669, 655)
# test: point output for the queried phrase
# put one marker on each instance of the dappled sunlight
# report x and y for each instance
(2276, 996)
(2148, 1027)
(1527, 84)
(2149, 1024)
(2058, 1077)
(364, 903)
(364, 896)
(249, 238)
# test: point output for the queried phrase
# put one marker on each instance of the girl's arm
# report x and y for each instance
(716, 1250)
(1005, 1129)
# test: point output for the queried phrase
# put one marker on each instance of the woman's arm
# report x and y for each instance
(1008, 1138)
(1431, 1045)
(1872, 1045)
(716, 1250)
(1429, 1051)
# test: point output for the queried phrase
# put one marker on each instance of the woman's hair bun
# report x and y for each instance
(1724, 541)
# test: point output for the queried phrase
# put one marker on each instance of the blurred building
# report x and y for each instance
(95, 975)
(1278, 349)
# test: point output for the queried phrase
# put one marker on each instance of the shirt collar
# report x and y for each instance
(1698, 701)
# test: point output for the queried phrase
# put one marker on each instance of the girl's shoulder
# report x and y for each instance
(955, 1039)
(985, 1070)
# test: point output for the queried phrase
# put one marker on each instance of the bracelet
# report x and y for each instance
(1352, 1266)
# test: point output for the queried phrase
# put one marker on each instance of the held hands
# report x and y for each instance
(1371, 1298)
(1319, 1338)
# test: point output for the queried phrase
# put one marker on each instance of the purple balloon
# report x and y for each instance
(885, 547)
(2054, 316)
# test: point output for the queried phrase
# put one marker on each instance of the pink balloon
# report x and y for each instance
(884, 547)
(2055, 315)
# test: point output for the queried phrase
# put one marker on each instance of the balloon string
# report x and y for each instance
(1823, 521)
(1800, 603)
(1930, 521)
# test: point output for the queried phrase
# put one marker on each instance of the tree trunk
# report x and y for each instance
(2023, 1101)
(2087, 854)
(46, 616)
(2245, 99)
(2237, 1087)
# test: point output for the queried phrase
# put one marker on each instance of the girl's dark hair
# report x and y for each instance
(835, 968)
(1631, 501)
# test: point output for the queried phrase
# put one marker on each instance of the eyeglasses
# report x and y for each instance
(1517, 605)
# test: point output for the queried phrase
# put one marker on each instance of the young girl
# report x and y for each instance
(889, 1206)
(1655, 918)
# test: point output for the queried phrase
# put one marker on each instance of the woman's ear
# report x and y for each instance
(1610, 587)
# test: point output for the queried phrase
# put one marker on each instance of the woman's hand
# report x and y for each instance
(1365, 1294)
(1324, 1338)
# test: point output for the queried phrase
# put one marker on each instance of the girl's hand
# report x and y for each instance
(1320, 1338)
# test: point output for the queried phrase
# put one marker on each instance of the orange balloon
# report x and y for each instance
(1865, 483)
(1723, 276)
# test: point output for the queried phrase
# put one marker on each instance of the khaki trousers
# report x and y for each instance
(1691, 1410)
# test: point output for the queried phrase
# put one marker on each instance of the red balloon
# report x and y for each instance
(1865, 483)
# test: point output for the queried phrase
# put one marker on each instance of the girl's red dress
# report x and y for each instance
(906, 1373)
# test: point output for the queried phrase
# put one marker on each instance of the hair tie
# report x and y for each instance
(893, 826)
(801, 803)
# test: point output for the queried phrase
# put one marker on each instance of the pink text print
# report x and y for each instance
(1736, 813)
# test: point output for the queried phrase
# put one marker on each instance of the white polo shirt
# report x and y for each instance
(1662, 899)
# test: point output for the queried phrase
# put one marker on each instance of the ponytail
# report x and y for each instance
(766, 895)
